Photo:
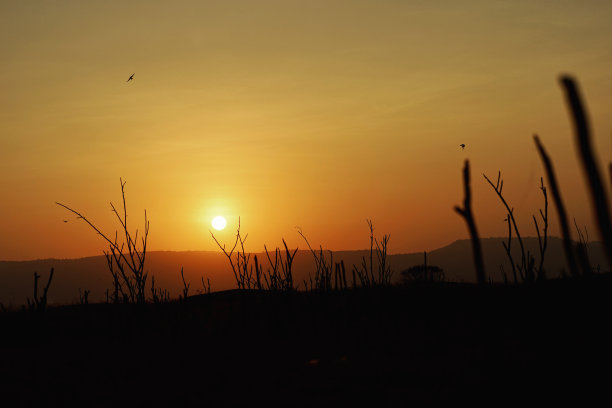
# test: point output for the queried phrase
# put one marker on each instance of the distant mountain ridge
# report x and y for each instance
(91, 273)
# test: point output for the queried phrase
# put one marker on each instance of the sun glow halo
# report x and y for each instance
(219, 222)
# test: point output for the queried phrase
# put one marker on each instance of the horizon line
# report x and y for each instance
(263, 251)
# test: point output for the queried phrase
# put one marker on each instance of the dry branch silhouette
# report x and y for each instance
(134, 259)
(523, 266)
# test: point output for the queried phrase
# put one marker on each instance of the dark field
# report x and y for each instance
(534, 343)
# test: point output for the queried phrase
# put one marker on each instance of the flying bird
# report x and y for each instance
(130, 78)
(462, 146)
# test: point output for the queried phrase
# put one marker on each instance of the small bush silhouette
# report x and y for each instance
(423, 273)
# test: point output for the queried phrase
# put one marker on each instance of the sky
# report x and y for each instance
(285, 113)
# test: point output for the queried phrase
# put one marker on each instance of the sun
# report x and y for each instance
(219, 222)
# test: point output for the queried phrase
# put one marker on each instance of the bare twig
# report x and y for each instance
(371, 247)
(185, 285)
(235, 268)
(508, 248)
(523, 271)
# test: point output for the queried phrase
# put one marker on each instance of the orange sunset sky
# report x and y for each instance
(287, 113)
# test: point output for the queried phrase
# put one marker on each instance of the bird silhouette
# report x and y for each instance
(130, 78)
(462, 146)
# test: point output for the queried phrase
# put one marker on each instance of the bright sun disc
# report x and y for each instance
(219, 223)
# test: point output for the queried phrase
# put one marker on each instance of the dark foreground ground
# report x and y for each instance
(447, 343)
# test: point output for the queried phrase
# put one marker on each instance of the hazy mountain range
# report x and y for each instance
(91, 273)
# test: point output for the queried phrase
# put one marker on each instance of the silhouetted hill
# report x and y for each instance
(91, 273)
(447, 344)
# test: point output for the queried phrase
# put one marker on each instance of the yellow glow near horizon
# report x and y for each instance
(219, 222)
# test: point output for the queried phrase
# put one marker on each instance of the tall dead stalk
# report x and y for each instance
(589, 163)
(468, 216)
